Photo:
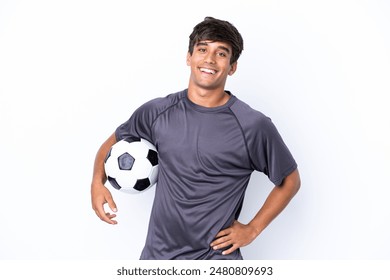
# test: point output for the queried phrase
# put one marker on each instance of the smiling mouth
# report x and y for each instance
(208, 71)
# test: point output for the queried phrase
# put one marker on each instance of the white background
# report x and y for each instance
(72, 71)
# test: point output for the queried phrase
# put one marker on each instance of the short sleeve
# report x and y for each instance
(139, 124)
(266, 149)
(270, 154)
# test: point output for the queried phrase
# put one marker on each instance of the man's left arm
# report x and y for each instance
(240, 235)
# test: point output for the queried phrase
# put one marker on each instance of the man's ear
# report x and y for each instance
(188, 59)
(233, 68)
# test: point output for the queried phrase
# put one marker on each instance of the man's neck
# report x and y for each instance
(208, 98)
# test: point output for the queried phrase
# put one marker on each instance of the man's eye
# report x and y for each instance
(222, 54)
(202, 50)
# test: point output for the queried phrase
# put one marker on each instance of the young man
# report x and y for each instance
(209, 142)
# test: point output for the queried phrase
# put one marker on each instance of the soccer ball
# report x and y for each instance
(131, 165)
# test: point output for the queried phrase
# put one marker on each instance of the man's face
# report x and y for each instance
(210, 64)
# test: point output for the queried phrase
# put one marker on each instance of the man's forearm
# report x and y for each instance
(99, 175)
(276, 201)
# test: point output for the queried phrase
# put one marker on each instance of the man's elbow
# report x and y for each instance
(293, 181)
(297, 182)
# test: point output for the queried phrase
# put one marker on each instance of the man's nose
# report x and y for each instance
(209, 58)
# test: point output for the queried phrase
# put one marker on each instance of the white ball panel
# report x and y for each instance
(141, 168)
(111, 166)
(150, 145)
(153, 174)
(126, 179)
(138, 150)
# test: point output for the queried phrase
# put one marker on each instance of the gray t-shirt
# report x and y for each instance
(206, 157)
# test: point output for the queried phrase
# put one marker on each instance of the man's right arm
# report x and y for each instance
(100, 195)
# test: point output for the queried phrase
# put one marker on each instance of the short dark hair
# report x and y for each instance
(217, 30)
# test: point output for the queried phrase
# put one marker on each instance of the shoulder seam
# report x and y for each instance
(243, 136)
(162, 112)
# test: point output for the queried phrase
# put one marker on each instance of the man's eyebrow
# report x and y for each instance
(202, 44)
(219, 47)
(224, 49)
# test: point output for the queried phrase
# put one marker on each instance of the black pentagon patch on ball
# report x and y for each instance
(114, 183)
(142, 184)
(125, 161)
(152, 157)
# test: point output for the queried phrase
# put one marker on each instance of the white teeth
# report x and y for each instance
(208, 70)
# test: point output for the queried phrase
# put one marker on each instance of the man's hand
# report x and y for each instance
(236, 236)
(239, 235)
(101, 195)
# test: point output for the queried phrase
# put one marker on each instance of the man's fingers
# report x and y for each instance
(100, 196)
(230, 250)
(222, 239)
(222, 244)
(110, 218)
(223, 233)
(232, 238)
(106, 217)
(111, 204)
(101, 213)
